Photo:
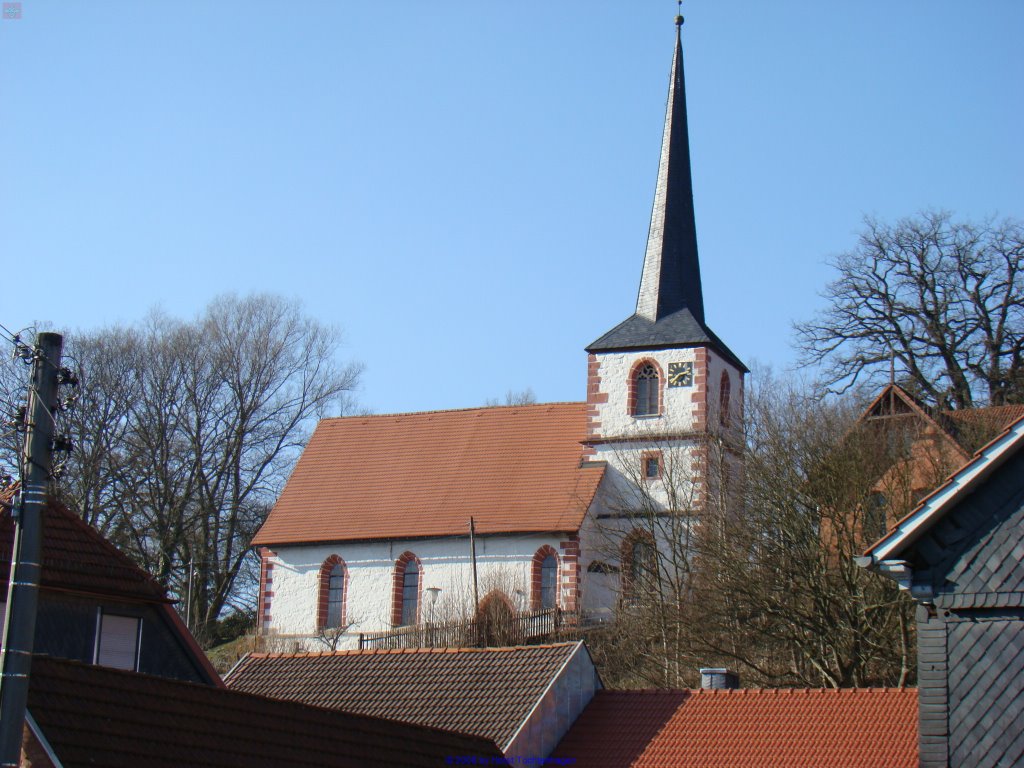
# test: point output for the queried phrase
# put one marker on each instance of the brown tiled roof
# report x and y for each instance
(487, 692)
(77, 558)
(746, 728)
(975, 426)
(97, 716)
(514, 469)
(967, 427)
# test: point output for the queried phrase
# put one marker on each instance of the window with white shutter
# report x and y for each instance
(117, 641)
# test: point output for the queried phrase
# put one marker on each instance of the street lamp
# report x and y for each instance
(433, 592)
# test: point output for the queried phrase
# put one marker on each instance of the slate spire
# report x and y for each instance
(670, 306)
(671, 275)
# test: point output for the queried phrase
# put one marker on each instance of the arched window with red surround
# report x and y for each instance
(724, 391)
(544, 591)
(645, 389)
(333, 583)
(406, 591)
(639, 565)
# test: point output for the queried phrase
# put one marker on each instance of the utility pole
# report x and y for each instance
(476, 591)
(26, 557)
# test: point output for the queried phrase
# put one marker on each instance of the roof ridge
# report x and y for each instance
(408, 651)
(356, 417)
(761, 691)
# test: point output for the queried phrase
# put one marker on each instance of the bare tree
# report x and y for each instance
(514, 397)
(651, 534)
(750, 563)
(943, 299)
(780, 594)
(187, 431)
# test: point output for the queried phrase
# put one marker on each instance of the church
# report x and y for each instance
(393, 523)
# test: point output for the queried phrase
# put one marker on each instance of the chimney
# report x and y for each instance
(718, 678)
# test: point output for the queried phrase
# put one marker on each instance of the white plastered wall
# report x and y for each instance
(679, 411)
(503, 562)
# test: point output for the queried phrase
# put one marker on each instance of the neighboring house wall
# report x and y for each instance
(971, 636)
(503, 563)
(562, 703)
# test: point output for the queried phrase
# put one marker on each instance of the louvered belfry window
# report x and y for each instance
(645, 391)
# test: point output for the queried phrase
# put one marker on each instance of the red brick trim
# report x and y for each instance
(397, 590)
(568, 600)
(644, 456)
(535, 576)
(700, 389)
(595, 398)
(325, 590)
(631, 384)
(266, 594)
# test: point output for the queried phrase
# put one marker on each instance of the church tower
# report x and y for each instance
(665, 394)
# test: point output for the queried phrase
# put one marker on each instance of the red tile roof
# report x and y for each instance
(979, 425)
(77, 558)
(487, 692)
(514, 469)
(97, 716)
(746, 728)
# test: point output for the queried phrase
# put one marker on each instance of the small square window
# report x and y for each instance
(652, 467)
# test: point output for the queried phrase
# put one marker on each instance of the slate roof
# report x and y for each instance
(746, 728)
(514, 469)
(487, 692)
(680, 329)
(97, 716)
(77, 558)
(670, 303)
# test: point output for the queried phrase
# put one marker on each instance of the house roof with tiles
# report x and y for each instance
(746, 728)
(936, 505)
(90, 715)
(487, 692)
(513, 469)
(965, 429)
(77, 558)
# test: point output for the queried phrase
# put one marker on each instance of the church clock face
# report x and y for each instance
(680, 374)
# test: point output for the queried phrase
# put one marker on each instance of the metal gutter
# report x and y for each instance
(41, 738)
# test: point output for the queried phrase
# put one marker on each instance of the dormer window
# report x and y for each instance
(646, 390)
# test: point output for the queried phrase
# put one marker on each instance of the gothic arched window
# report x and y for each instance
(724, 390)
(332, 593)
(646, 385)
(407, 590)
(639, 566)
(545, 579)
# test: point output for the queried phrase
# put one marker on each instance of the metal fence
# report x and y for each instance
(517, 629)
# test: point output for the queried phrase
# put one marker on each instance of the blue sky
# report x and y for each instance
(465, 187)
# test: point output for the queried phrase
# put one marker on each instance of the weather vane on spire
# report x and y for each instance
(679, 14)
